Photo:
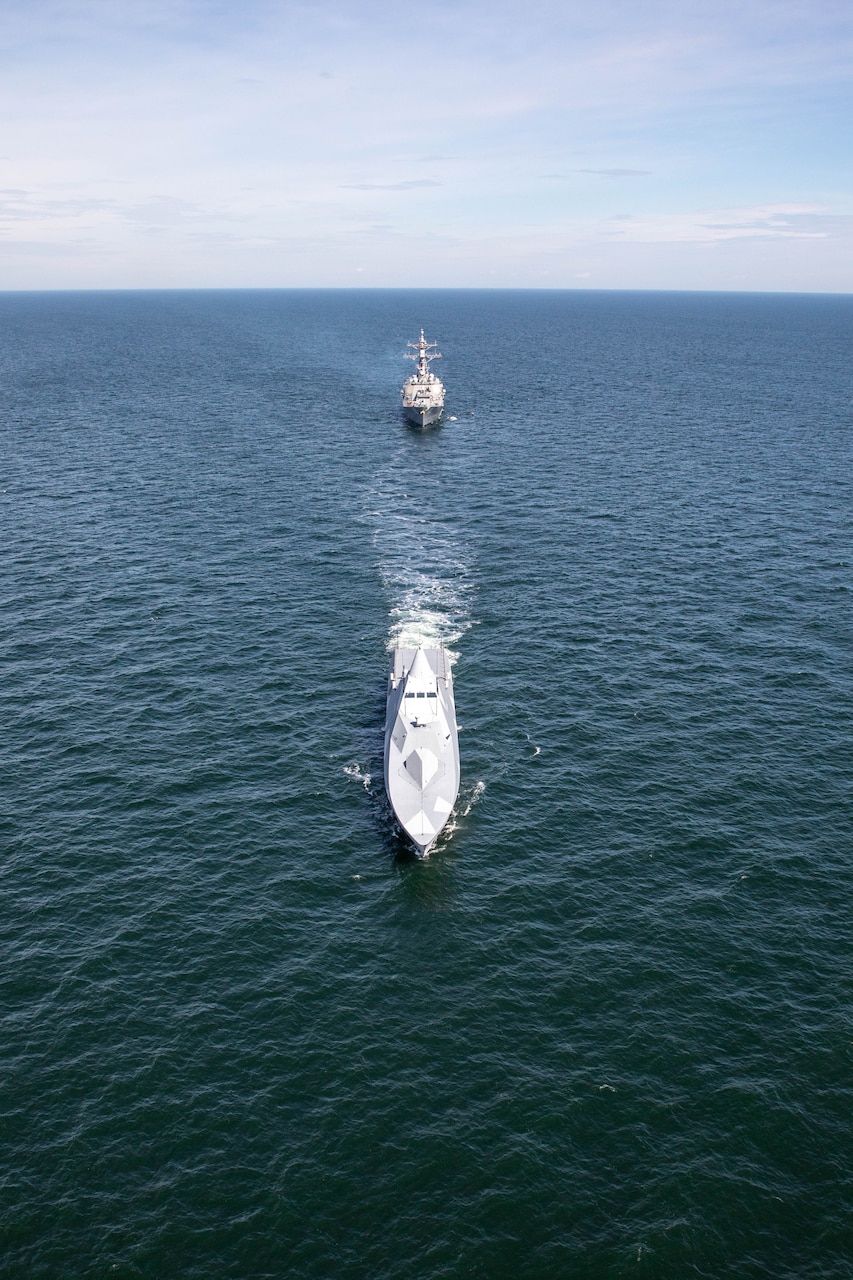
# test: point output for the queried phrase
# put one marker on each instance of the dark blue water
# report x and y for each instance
(606, 1029)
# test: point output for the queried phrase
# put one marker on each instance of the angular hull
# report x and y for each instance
(421, 744)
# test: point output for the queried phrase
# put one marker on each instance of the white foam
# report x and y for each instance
(353, 771)
(422, 563)
(476, 791)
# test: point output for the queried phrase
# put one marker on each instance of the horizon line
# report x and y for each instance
(152, 289)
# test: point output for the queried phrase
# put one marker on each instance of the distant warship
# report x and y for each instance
(423, 393)
(421, 744)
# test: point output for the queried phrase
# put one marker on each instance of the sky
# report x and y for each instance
(604, 144)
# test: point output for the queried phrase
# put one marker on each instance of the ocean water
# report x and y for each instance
(606, 1029)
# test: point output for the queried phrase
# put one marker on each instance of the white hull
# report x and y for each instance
(421, 744)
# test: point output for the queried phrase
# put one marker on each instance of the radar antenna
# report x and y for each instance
(423, 352)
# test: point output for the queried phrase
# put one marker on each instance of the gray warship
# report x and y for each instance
(421, 744)
(423, 393)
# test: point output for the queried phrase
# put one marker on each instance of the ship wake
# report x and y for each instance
(423, 566)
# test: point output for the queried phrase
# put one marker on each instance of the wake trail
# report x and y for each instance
(424, 566)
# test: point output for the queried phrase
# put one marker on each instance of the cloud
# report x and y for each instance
(23, 206)
(766, 222)
(409, 185)
(618, 173)
(161, 125)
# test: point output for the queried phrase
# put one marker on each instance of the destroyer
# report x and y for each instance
(423, 393)
(421, 744)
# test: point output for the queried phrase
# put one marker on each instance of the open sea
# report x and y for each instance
(606, 1029)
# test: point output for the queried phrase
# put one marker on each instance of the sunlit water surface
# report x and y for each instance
(605, 1030)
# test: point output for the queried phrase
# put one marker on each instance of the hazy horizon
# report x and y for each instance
(363, 288)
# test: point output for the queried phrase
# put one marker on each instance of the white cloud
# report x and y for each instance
(410, 184)
(617, 173)
(767, 222)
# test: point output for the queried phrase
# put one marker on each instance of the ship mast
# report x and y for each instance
(425, 353)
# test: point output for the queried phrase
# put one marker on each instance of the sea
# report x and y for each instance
(605, 1030)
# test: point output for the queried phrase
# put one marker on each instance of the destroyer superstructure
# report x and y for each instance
(421, 743)
(423, 393)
